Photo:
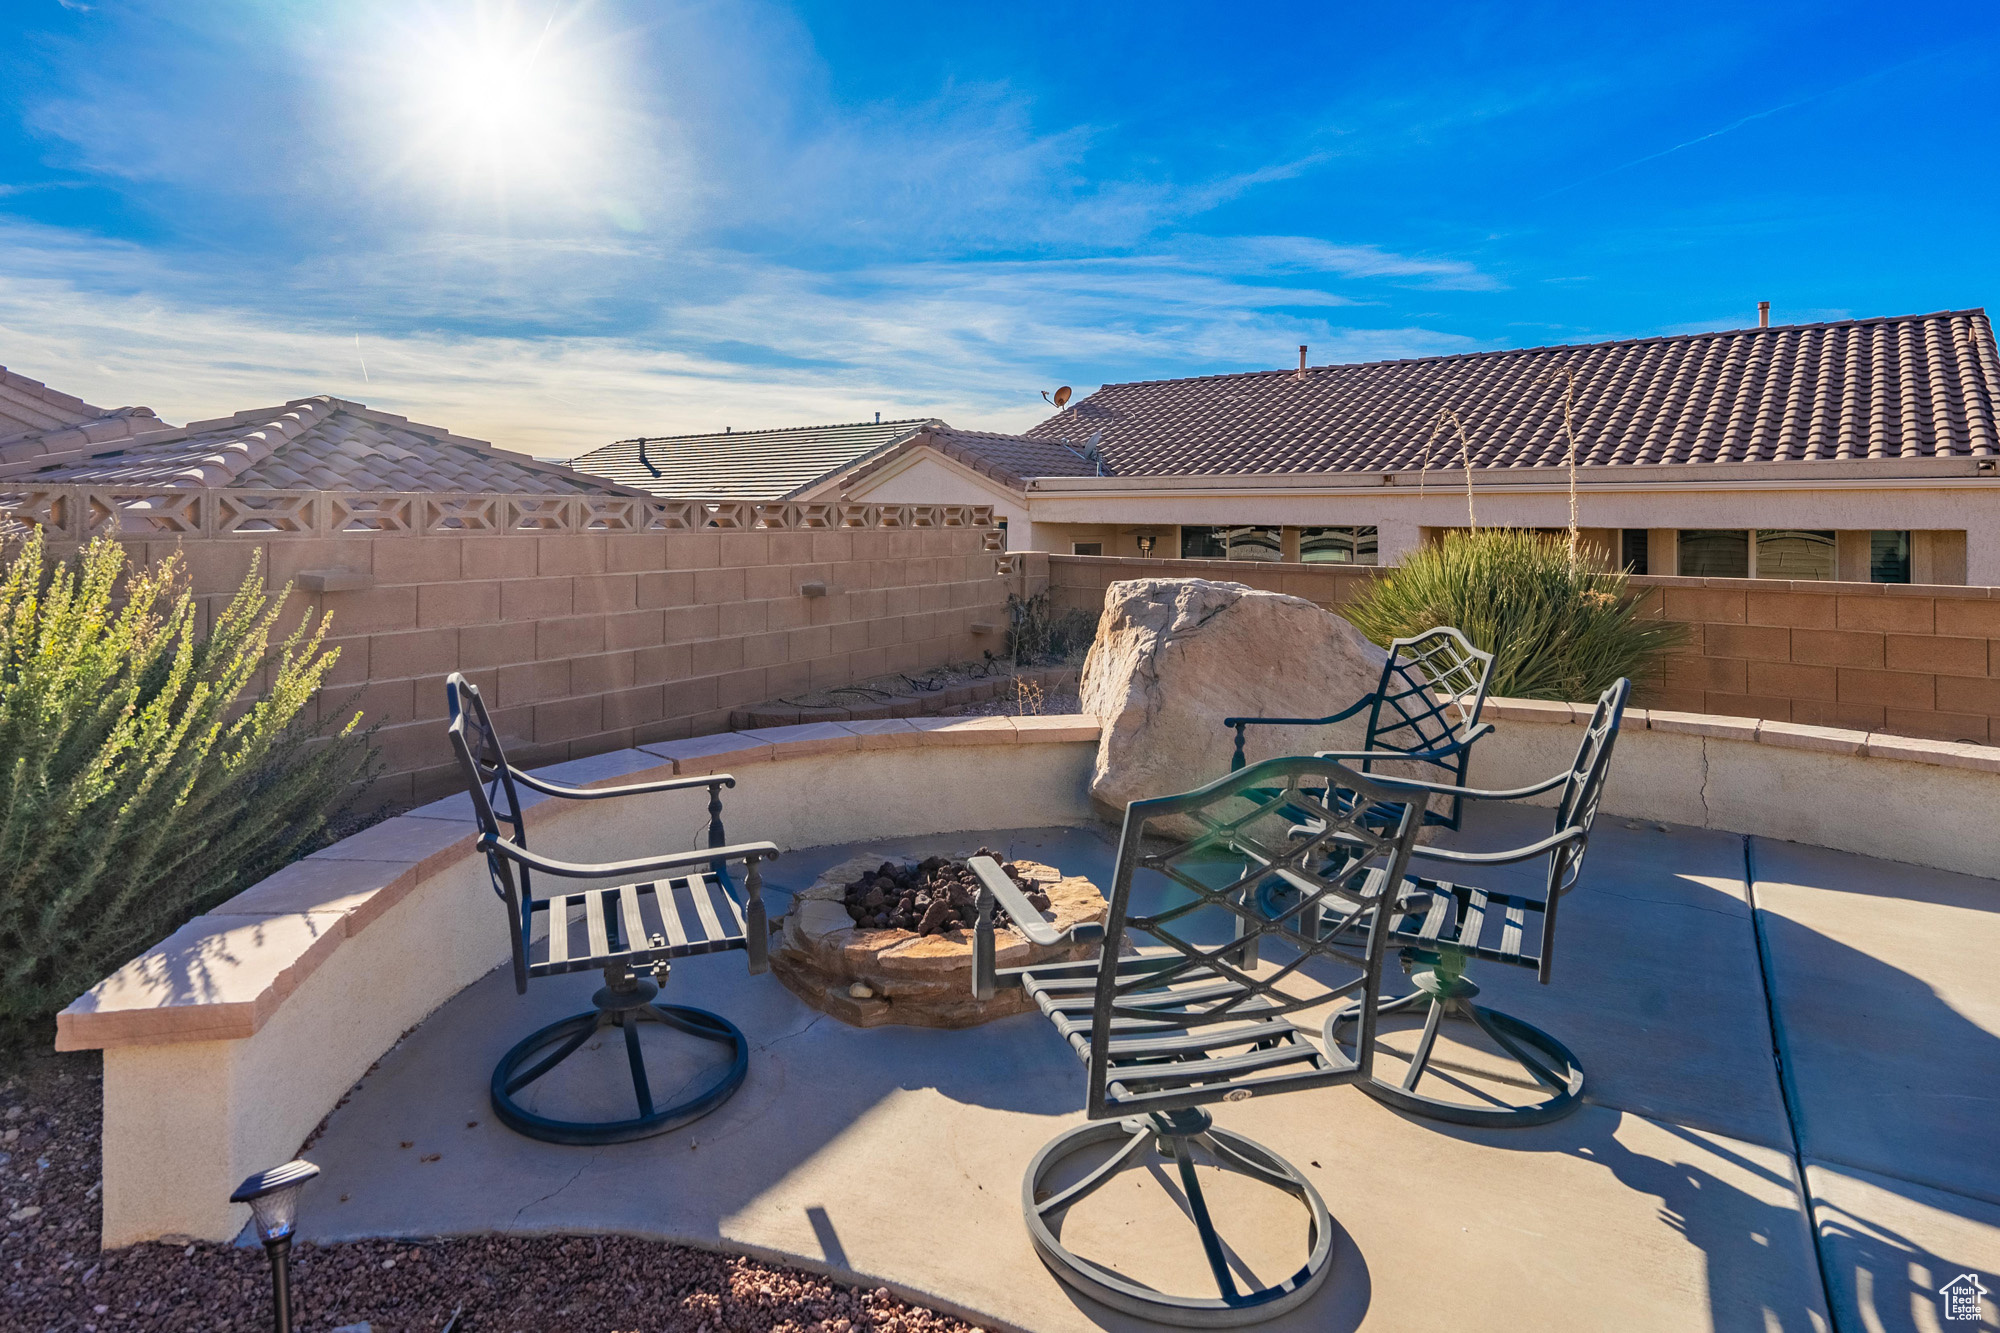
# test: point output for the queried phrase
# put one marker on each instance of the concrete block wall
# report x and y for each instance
(1910, 659)
(583, 642)
(1907, 659)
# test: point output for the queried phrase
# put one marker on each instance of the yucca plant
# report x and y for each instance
(138, 788)
(1559, 626)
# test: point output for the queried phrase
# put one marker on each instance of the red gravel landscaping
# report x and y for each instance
(56, 1281)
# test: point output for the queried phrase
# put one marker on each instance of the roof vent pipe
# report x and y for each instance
(1763, 314)
(1302, 360)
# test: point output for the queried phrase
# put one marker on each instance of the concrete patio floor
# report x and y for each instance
(1673, 1200)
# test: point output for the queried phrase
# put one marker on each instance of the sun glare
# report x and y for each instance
(497, 101)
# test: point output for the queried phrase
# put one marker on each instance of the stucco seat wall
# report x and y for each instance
(225, 1045)
(1891, 797)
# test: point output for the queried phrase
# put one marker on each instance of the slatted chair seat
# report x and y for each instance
(1176, 1014)
(663, 908)
(636, 925)
(1478, 923)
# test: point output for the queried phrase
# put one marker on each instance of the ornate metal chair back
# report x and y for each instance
(495, 801)
(1170, 925)
(1577, 807)
(1432, 690)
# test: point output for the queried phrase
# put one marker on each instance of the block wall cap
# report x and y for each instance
(221, 976)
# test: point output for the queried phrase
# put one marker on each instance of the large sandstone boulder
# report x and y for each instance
(1174, 657)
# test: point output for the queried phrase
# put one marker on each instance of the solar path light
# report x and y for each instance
(273, 1197)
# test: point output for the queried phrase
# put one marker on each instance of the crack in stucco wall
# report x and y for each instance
(1707, 819)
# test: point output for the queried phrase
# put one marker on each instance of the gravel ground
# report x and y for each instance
(56, 1280)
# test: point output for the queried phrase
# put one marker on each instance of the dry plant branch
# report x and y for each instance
(1465, 452)
(1569, 431)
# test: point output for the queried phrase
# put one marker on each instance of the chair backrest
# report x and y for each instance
(1577, 807)
(495, 800)
(1432, 690)
(1184, 909)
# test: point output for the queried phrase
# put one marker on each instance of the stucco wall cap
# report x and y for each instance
(216, 978)
(1798, 736)
(1057, 727)
(1947, 754)
(806, 738)
(884, 733)
(360, 891)
(221, 976)
(1528, 710)
(699, 756)
(967, 730)
(428, 845)
(1703, 724)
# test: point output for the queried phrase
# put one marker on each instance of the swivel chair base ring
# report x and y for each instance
(1546, 1061)
(624, 1010)
(1173, 1131)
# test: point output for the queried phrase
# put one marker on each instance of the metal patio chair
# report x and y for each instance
(657, 909)
(1425, 709)
(1440, 926)
(1169, 1018)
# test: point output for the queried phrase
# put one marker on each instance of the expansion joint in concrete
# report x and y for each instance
(1792, 1121)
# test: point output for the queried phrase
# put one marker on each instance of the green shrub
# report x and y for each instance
(1558, 628)
(136, 791)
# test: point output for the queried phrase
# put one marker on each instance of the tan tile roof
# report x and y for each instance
(308, 444)
(745, 464)
(1916, 386)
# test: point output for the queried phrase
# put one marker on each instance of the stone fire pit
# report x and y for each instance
(869, 975)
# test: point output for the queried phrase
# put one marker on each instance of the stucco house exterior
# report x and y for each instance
(1856, 450)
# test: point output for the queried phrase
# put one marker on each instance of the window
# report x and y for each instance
(1201, 543)
(1888, 557)
(1633, 552)
(1256, 544)
(1086, 548)
(1715, 553)
(1337, 546)
(1793, 553)
(1000, 522)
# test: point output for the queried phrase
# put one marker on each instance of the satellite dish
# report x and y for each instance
(1061, 397)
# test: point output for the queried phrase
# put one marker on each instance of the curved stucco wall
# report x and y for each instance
(228, 1042)
(1896, 798)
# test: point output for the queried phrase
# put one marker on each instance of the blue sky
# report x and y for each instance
(554, 223)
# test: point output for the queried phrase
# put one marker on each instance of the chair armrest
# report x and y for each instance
(1527, 853)
(1236, 759)
(570, 793)
(994, 886)
(1446, 788)
(743, 851)
(1341, 716)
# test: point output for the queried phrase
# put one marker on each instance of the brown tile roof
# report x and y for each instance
(308, 444)
(35, 419)
(745, 465)
(1008, 459)
(1915, 386)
